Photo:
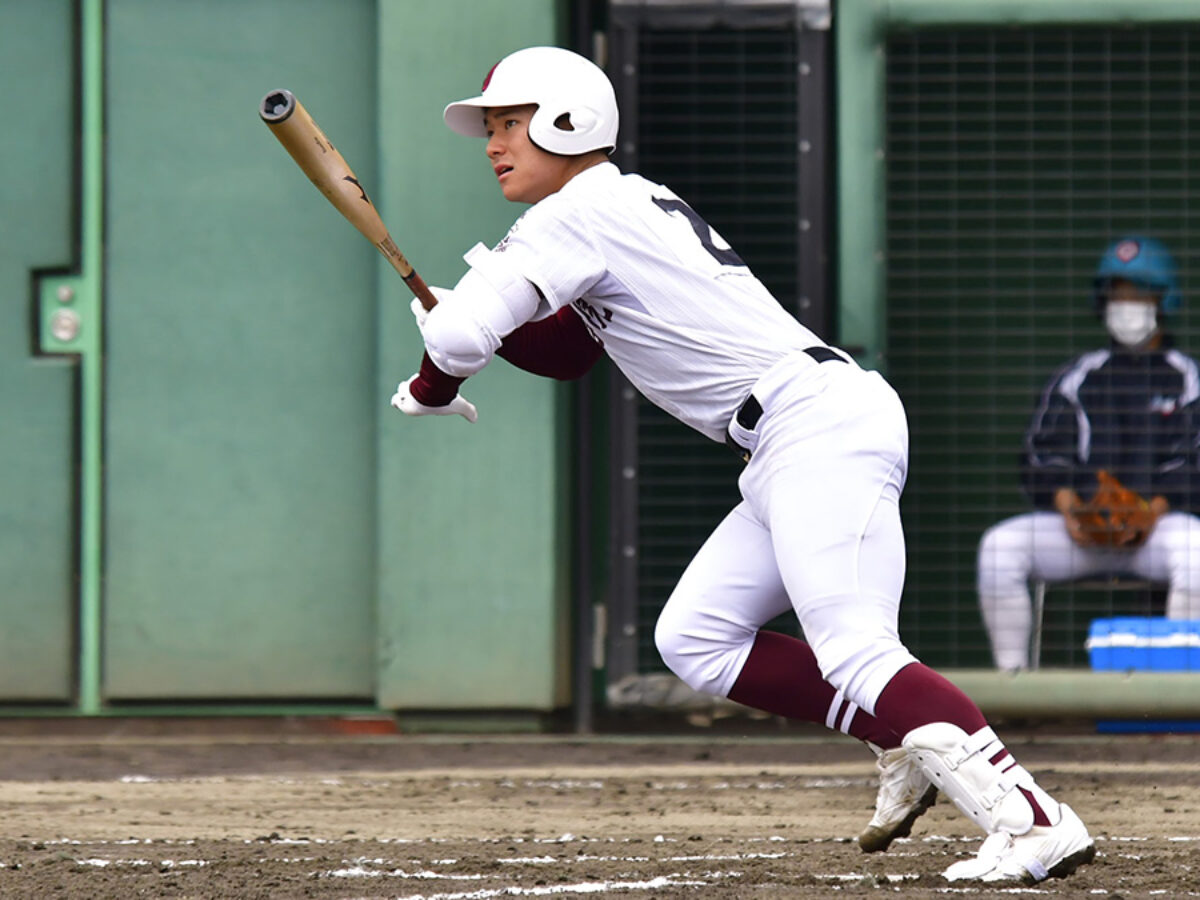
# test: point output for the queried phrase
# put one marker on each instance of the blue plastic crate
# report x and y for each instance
(1144, 643)
(1147, 644)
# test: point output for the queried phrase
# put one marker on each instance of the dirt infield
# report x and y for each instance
(182, 814)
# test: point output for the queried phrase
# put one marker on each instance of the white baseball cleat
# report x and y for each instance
(904, 795)
(1045, 851)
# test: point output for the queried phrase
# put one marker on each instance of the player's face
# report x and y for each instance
(1131, 315)
(1127, 291)
(526, 172)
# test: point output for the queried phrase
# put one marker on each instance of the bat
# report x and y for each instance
(313, 152)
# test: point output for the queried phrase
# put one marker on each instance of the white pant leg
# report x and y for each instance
(845, 575)
(1011, 552)
(728, 591)
(1172, 554)
(1036, 545)
(826, 479)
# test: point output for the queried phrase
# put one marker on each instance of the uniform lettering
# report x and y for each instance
(724, 255)
(598, 318)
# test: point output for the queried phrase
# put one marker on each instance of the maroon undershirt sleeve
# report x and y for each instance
(432, 386)
(559, 346)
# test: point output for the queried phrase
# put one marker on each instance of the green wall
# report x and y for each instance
(469, 535)
(37, 394)
(239, 413)
(272, 531)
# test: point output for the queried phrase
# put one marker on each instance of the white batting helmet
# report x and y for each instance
(560, 83)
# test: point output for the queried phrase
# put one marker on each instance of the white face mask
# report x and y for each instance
(1130, 322)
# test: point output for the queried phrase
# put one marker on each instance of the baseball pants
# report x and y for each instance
(1036, 546)
(818, 531)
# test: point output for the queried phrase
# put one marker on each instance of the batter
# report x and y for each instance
(606, 262)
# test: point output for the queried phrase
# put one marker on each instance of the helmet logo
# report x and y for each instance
(1127, 251)
(487, 79)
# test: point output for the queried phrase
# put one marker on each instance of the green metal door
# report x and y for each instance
(239, 361)
(37, 393)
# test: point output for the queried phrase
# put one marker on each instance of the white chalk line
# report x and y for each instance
(384, 869)
(591, 777)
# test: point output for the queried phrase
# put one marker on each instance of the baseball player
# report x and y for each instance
(611, 263)
(1128, 409)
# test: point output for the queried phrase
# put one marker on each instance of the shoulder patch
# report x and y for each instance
(516, 226)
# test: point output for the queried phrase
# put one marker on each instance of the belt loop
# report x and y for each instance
(746, 417)
(751, 410)
(749, 413)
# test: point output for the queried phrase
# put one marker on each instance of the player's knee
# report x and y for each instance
(703, 659)
(999, 564)
(1184, 576)
(989, 551)
(1180, 534)
(1187, 578)
(671, 644)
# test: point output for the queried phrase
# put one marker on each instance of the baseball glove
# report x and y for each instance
(1115, 517)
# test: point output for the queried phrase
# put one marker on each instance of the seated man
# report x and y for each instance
(1129, 409)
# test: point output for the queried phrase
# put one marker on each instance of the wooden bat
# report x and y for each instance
(313, 152)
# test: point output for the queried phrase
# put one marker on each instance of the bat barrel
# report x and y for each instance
(277, 106)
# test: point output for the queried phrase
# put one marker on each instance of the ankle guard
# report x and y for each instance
(960, 766)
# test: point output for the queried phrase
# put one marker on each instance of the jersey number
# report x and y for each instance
(724, 255)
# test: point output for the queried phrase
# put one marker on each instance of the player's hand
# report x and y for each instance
(420, 313)
(1115, 518)
(1071, 505)
(410, 406)
(1154, 509)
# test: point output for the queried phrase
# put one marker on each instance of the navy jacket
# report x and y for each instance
(1135, 414)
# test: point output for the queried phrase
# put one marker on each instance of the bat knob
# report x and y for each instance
(277, 106)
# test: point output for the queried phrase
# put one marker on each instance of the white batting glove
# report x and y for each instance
(409, 405)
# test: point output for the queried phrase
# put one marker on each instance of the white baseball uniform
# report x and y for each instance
(693, 329)
(826, 446)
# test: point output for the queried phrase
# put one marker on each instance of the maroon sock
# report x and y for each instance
(918, 696)
(781, 677)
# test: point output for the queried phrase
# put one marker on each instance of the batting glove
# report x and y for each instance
(410, 406)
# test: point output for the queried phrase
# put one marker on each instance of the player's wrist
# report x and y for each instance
(432, 386)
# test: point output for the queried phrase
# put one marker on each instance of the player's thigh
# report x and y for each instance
(1037, 545)
(819, 515)
(844, 568)
(839, 543)
(730, 588)
(1171, 553)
